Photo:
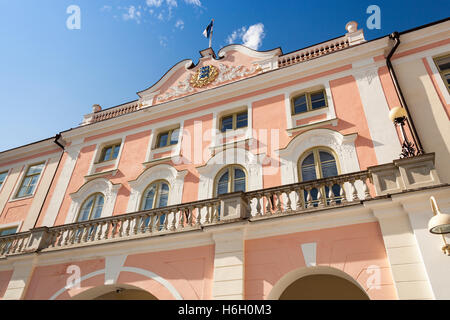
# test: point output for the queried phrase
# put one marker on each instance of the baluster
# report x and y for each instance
(365, 187)
(166, 220)
(158, 221)
(309, 201)
(199, 216)
(127, 232)
(94, 232)
(106, 235)
(141, 220)
(331, 194)
(300, 203)
(86, 233)
(100, 231)
(136, 225)
(320, 196)
(289, 201)
(114, 232)
(174, 220)
(258, 205)
(354, 192)
(14, 246)
(22, 241)
(269, 204)
(278, 193)
(216, 212)
(342, 193)
(191, 216)
(182, 216)
(121, 228)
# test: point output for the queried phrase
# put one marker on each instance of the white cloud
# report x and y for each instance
(132, 14)
(163, 41)
(179, 24)
(106, 8)
(172, 3)
(154, 3)
(254, 36)
(251, 37)
(194, 2)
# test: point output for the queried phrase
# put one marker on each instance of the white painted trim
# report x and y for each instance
(100, 185)
(26, 166)
(17, 224)
(438, 78)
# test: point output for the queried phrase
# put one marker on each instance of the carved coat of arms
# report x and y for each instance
(204, 76)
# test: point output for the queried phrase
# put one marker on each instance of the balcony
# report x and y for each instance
(296, 199)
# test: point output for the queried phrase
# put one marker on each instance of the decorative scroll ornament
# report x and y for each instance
(204, 76)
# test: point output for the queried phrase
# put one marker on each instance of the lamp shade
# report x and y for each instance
(397, 113)
(440, 223)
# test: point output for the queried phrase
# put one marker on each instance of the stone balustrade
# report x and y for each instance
(333, 192)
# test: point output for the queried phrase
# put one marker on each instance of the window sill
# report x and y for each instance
(313, 125)
(21, 198)
(100, 174)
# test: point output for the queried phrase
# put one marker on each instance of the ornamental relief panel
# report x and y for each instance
(208, 76)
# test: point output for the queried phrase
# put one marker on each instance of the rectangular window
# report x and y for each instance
(2, 178)
(443, 65)
(8, 231)
(234, 121)
(168, 138)
(309, 101)
(30, 180)
(110, 152)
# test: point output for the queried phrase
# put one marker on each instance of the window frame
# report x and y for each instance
(93, 206)
(169, 138)
(443, 72)
(234, 121)
(308, 101)
(317, 163)
(16, 227)
(157, 193)
(230, 168)
(4, 180)
(105, 148)
(25, 175)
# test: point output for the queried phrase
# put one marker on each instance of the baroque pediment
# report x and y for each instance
(234, 62)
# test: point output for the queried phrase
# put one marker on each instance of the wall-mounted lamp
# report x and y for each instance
(398, 116)
(440, 224)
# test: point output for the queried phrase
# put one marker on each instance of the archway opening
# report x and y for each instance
(323, 287)
(127, 294)
(115, 292)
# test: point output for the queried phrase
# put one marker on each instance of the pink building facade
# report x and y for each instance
(246, 175)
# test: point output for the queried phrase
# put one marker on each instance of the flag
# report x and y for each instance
(208, 30)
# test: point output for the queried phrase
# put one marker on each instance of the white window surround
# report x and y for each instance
(176, 148)
(159, 172)
(438, 77)
(8, 172)
(21, 176)
(17, 225)
(98, 151)
(314, 85)
(239, 156)
(243, 133)
(99, 185)
(343, 146)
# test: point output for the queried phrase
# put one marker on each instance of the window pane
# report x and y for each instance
(238, 173)
(107, 155)
(149, 196)
(163, 195)
(86, 209)
(227, 123)
(116, 152)
(300, 104)
(97, 212)
(163, 140)
(35, 169)
(328, 164)
(6, 232)
(308, 168)
(222, 186)
(447, 78)
(239, 185)
(317, 100)
(23, 188)
(309, 160)
(2, 178)
(443, 63)
(242, 120)
(174, 136)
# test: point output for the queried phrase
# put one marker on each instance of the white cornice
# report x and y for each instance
(250, 52)
(29, 150)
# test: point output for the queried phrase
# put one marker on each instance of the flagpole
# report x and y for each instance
(210, 36)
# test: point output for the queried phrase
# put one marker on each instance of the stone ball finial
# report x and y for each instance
(352, 26)
(96, 108)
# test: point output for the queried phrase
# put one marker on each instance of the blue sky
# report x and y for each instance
(50, 76)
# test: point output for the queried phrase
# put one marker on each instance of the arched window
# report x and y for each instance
(316, 164)
(91, 208)
(231, 179)
(156, 196)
